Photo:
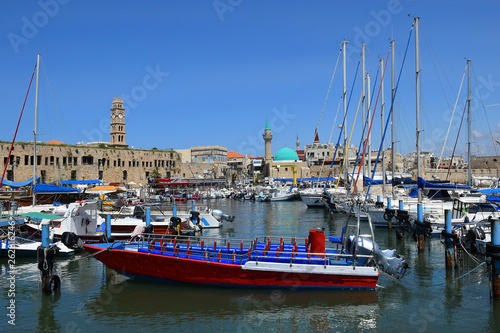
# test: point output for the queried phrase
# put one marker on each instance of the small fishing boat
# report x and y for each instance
(23, 247)
(262, 262)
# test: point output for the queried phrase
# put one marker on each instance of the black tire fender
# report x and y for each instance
(52, 283)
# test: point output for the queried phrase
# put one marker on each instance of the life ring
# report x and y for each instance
(52, 283)
(80, 201)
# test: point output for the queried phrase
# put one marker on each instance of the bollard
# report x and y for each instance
(401, 205)
(421, 232)
(389, 206)
(45, 235)
(148, 217)
(13, 207)
(108, 227)
(174, 214)
(448, 240)
(495, 258)
(45, 260)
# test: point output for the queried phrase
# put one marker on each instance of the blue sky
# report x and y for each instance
(211, 72)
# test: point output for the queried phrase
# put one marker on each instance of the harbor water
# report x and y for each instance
(95, 299)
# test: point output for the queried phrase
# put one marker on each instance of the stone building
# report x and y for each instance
(111, 162)
(203, 162)
(111, 165)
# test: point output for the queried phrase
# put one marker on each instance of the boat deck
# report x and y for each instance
(260, 252)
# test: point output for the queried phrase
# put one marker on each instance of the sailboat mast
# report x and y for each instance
(363, 94)
(392, 115)
(344, 94)
(35, 128)
(368, 111)
(382, 122)
(469, 178)
(417, 104)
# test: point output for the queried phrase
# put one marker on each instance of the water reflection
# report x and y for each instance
(242, 309)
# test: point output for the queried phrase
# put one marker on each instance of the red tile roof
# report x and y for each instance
(55, 142)
(233, 154)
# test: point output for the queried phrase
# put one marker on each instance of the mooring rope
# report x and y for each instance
(432, 285)
(93, 254)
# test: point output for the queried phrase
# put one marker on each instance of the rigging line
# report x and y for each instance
(328, 92)
(451, 120)
(392, 106)
(343, 125)
(331, 134)
(458, 134)
(373, 117)
(385, 129)
(431, 48)
(346, 149)
(15, 133)
(484, 109)
(61, 117)
(322, 111)
(362, 136)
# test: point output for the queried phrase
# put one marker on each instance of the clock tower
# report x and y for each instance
(118, 124)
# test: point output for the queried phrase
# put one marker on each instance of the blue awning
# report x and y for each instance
(53, 189)
(490, 190)
(305, 179)
(428, 185)
(19, 184)
(83, 181)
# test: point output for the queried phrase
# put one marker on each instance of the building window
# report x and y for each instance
(26, 159)
(147, 174)
(196, 159)
(100, 174)
(43, 175)
(209, 159)
(73, 174)
(46, 161)
(114, 163)
(10, 175)
(124, 174)
(75, 161)
(203, 158)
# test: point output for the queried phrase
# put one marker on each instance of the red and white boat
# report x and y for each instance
(257, 263)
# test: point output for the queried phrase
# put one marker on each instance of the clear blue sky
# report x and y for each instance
(211, 72)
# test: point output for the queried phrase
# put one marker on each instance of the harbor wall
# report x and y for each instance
(111, 165)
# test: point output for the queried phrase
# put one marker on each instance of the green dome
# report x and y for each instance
(286, 154)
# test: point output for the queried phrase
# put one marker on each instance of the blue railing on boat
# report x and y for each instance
(220, 250)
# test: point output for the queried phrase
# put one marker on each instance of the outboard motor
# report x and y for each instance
(195, 217)
(219, 215)
(138, 212)
(387, 260)
(175, 221)
(71, 240)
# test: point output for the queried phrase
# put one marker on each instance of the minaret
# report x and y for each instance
(316, 138)
(267, 139)
(298, 143)
(118, 124)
